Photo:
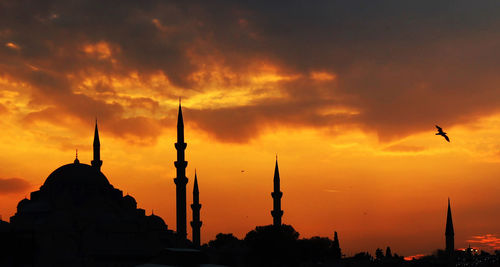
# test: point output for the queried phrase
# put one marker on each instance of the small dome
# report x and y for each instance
(130, 201)
(156, 223)
(76, 175)
(22, 203)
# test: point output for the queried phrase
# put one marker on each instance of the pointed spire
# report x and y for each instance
(179, 117)
(276, 175)
(449, 233)
(180, 125)
(195, 186)
(196, 206)
(96, 134)
(181, 179)
(277, 213)
(449, 220)
(97, 162)
(76, 157)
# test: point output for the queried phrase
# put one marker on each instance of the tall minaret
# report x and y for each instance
(181, 179)
(97, 162)
(196, 206)
(450, 234)
(277, 194)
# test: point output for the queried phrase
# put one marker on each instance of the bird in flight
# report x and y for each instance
(440, 132)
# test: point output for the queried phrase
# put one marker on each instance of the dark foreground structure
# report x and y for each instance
(78, 218)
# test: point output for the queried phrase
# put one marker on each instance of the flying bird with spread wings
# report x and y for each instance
(440, 132)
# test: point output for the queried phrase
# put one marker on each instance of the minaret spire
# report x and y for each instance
(76, 157)
(277, 213)
(196, 206)
(181, 180)
(450, 234)
(97, 162)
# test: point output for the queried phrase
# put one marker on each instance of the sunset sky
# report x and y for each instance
(347, 93)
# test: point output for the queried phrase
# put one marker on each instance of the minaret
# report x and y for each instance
(196, 206)
(76, 157)
(181, 179)
(277, 213)
(97, 162)
(450, 234)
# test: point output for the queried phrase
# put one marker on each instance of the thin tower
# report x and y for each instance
(277, 213)
(450, 234)
(97, 162)
(181, 180)
(196, 206)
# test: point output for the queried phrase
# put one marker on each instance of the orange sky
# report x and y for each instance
(350, 114)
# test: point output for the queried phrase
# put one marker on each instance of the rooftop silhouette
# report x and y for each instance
(78, 218)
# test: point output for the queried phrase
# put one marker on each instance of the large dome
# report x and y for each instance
(76, 175)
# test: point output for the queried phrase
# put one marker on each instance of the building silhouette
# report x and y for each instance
(77, 218)
(181, 180)
(196, 206)
(449, 233)
(97, 162)
(277, 213)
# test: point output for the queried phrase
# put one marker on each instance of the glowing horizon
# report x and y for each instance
(158, 192)
(346, 93)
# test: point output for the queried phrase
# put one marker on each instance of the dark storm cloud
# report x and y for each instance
(13, 185)
(239, 124)
(404, 66)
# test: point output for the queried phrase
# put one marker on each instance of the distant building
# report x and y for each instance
(196, 206)
(78, 218)
(181, 180)
(449, 233)
(277, 213)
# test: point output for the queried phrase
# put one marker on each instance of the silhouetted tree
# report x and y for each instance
(363, 256)
(388, 253)
(379, 254)
(336, 251)
(441, 255)
(316, 249)
(226, 249)
(272, 245)
(223, 240)
(396, 256)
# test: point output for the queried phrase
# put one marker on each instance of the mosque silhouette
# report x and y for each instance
(77, 218)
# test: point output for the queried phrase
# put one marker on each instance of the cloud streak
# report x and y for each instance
(393, 69)
(488, 241)
(13, 185)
